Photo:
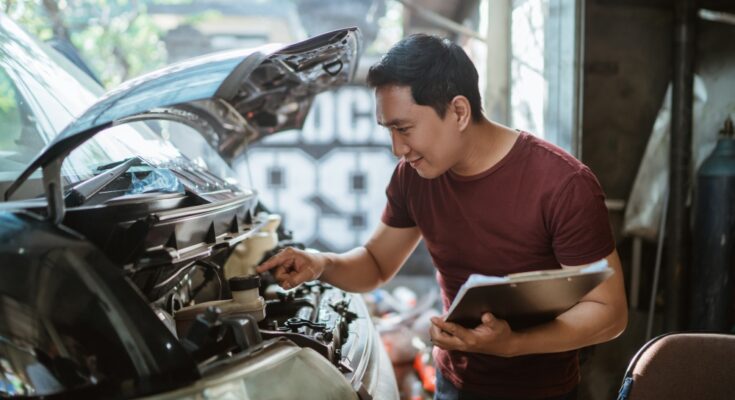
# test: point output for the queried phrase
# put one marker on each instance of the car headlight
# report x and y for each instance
(281, 370)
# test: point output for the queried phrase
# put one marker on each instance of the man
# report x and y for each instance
(486, 199)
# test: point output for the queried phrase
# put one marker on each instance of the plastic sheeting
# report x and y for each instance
(645, 204)
(159, 180)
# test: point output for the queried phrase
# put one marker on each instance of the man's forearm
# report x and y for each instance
(359, 270)
(353, 271)
(601, 316)
(585, 324)
(364, 268)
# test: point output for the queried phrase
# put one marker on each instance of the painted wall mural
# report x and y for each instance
(327, 180)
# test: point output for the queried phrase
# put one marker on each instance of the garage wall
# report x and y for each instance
(628, 55)
(628, 63)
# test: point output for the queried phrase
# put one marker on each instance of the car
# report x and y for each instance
(128, 246)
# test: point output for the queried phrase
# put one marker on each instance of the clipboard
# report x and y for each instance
(525, 299)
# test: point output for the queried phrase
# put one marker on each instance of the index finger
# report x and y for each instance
(444, 340)
(450, 327)
(273, 262)
(443, 325)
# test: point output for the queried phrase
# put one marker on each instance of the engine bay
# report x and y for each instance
(193, 259)
(314, 315)
(218, 305)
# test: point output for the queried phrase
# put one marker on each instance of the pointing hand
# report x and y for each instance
(292, 267)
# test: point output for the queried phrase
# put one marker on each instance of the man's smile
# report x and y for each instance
(415, 162)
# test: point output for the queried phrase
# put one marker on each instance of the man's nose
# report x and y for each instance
(398, 146)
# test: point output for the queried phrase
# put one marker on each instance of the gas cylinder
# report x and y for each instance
(713, 259)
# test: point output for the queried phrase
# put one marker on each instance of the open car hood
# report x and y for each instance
(232, 98)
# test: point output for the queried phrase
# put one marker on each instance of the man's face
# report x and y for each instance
(430, 144)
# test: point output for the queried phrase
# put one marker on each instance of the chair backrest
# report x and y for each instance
(682, 366)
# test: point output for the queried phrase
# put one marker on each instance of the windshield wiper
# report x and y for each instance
(81, 192)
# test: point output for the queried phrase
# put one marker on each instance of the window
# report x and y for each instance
(544, 69)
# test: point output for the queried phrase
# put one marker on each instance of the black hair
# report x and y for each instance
(436, 69)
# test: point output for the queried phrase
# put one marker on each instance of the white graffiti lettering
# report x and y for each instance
(327, 180)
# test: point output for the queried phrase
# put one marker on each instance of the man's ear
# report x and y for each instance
(461, 111)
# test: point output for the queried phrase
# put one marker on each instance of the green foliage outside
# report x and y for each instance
(116, 38)
(7, 95)
(9, 119)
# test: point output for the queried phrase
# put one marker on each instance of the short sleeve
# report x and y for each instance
(580, 226)
(395, 213)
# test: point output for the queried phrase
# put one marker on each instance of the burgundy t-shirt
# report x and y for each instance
(537, 208)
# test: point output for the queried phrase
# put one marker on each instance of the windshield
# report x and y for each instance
(116, 144)
(157, 156)
(41, 92)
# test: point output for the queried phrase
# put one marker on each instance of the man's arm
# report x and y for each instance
(359, 270)
(600, 316)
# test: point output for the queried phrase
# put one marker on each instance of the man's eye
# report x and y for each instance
(402, 129)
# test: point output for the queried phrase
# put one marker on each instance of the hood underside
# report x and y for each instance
(232, 98)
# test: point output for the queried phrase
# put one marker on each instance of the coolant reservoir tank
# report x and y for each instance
(248, 254)
(245, 300)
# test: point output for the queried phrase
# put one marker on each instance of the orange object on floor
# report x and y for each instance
(424, 366)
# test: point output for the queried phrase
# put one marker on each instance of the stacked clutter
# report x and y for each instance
(403, 321)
